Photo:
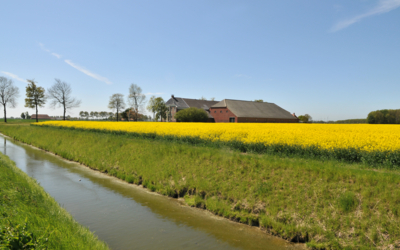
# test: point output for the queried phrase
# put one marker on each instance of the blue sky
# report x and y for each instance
(330, 59)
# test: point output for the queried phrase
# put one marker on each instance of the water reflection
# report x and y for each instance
(127, 217)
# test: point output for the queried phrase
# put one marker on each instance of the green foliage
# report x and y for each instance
(352, 121)
(295, 198)
(384, 116)
(305, 118)
(259, 100)
(35, 96)
(32, 219)
(192, 115)
(116, 103)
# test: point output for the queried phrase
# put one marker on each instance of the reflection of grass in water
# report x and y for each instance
(31, 219)
(328, 203)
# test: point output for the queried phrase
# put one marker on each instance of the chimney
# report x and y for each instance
(173, 96)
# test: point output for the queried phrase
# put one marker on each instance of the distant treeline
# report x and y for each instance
(384, 116)
(353, 121)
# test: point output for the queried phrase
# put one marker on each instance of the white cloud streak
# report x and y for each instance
(87, 72)
(47, 50)
(14, 76)
(382, 7)
(56, 55)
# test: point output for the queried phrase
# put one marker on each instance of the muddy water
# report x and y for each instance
(129, 217)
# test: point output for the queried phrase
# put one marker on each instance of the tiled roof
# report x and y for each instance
(40, 116)
(250, 109)
(182, 103)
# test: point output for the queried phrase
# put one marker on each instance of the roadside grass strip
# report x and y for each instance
(32, 219)
(375, 145)
(327, 204)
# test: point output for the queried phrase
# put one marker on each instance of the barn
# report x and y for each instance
(250, 111)
(41, 117)
(177, 103)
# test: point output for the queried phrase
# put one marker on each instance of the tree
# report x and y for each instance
(35, 96)
(116, 103)
(203, 98)
(60, 94)
(259, 100)
(23, 115)
(27, 116)
(91, 114)
(82, 114)
(136, 99)
(8, 94)
(160, 108)
(192, 115)
(305, 118)
(96, 114)
(151, 105)
(309, 118)
(212, 99)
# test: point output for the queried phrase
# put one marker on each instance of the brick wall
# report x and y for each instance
(222, 114)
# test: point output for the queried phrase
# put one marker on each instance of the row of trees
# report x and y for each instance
(384, 116)
(59, 95)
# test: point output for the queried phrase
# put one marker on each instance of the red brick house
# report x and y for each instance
(41, 117)
(177, 103)
(249, 111)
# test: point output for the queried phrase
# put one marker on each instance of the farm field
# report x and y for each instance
(31, 219)
(371, 144)
(329, 204)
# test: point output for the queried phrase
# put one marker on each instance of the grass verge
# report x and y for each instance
(31, 219)
(328, 204)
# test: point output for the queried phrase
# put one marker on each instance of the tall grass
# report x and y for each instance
(329, 204)
(31, 219)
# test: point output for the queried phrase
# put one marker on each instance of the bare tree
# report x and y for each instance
(8, 94)
(136, 99)
(116, 103)
(60, 93)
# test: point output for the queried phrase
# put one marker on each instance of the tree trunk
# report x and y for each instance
(117, 114)
(5, 114)
(64, 112)
(36, 114)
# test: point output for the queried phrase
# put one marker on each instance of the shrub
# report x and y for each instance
(192, 115)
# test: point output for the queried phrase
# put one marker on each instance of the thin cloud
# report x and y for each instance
(49, 51)
(56, 55)
(382, 7)
(157, 93)
(14, 76)
(87, 72)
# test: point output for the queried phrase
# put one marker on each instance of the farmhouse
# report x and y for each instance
(42, 117)
(177, 103)
(249, 111)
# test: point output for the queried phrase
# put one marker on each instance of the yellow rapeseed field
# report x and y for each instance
(364, 137)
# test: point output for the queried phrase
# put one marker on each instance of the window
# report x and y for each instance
(220, 111)
(215, 111)
(232, 119)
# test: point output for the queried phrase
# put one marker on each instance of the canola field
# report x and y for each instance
(352, 142)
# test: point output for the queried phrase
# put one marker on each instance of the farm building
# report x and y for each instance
(41, 117)
(177, 103)
(249, 111)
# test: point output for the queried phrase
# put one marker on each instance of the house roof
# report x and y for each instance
(33, 116)
(182, 103)
(250, 109)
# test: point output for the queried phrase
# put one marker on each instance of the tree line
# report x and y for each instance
(59, 95)
(384, 116)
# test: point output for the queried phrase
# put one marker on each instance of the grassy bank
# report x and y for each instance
(31, 219)
(329, 204)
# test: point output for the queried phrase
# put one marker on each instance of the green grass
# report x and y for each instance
(20, 121)
(330, 204)
(376, 159)
(31, 219)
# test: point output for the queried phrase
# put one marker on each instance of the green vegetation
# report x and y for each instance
(31, 219)
(352, 121)
(192, 115)
(384, 116)
(328, 204)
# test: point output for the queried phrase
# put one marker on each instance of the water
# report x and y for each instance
(129, 217)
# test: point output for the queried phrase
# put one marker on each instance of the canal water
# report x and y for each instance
(129, 217)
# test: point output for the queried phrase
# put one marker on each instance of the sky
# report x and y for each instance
(331, 59)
